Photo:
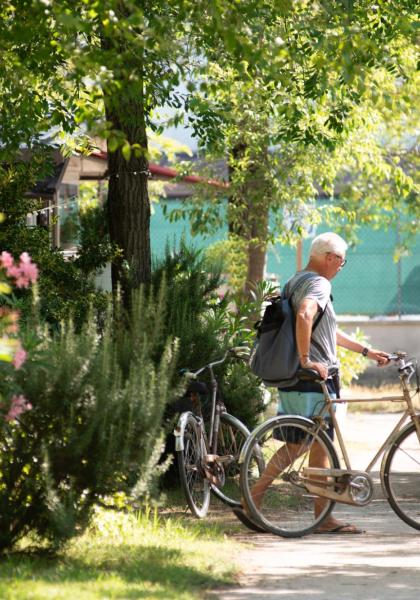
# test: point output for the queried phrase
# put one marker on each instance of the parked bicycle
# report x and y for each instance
(208, 460)
(298, 496)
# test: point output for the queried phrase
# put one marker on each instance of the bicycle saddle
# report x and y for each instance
(198, 386)
(313, 375)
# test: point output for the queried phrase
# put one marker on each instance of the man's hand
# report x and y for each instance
(317, 366)
(380, 357)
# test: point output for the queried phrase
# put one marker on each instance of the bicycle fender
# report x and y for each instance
(180, 428)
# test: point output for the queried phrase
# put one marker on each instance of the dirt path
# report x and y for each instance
(382, 564)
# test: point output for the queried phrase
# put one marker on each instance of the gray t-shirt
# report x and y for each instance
(317, 288)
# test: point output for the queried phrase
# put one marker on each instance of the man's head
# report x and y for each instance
(328, 254)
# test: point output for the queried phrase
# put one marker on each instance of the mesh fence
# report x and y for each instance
(371, 283)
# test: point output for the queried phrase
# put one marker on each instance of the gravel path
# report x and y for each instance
(382, 564)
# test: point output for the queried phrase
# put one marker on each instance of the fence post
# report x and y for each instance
(399, 274)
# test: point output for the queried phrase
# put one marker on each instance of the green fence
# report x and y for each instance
(371, 283)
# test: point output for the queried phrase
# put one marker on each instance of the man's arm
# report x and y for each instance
(345, 341)
(305, 315)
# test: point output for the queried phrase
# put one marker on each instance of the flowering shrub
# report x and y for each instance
(12, 354)
(18, 405)
(95, 429)
(65, 286)
(24, 273)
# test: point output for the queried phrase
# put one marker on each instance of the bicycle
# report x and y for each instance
(209, 462)
(295, 494)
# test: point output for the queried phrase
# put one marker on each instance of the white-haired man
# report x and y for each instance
(317, 348)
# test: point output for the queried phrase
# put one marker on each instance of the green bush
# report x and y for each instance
(95, 427)
(65, 286)
(352, 364)
(242, 393)
(191, 299)
(206, 324)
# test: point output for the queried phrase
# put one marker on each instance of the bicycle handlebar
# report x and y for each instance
(400, 359)
(236, 351)
(397, 356)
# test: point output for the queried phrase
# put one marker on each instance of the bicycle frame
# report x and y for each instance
(211, 440)
(217, 408)
(202, 469)
(409, 415)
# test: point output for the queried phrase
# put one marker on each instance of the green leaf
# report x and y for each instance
(126, 151)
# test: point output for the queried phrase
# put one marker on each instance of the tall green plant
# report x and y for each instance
(206, 323)
(191, 298)
(95, 426)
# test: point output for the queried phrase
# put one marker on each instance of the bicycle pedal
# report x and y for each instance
(211, 458)
(227, 458)
(214, 478)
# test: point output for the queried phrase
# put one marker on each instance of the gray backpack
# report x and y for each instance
(274, 357)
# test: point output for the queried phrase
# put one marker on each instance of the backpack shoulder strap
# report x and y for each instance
(296, 287)
(289, 293)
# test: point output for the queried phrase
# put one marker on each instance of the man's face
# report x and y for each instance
(334, 263)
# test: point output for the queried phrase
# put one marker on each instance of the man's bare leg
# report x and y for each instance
(277, 463)
(318, 458)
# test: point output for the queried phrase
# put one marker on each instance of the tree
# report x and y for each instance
(290, 121)
(105, 65)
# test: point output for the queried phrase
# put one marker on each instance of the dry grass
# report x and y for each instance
(374, 399)
(371, 400)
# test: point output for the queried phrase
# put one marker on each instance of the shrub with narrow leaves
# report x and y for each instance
(95, 426)
(206, 324)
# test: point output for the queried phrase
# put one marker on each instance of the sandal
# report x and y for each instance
(342, 529)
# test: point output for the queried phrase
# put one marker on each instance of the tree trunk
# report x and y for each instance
(128, 198)
(129, 205)
(248, 213)
(257, 250)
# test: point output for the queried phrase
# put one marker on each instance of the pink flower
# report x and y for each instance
(25, 258)
(19, 358)
(19, 405)
(22, 282)
(28, 269)
(9, 320)
(6, 259)
(25, 273)
(13, 271)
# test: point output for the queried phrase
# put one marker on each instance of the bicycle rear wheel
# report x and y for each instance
(278, 499)
(190, 463)
(401, 476)
(230, 441)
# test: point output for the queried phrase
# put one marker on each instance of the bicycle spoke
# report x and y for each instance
(278, 498)
(193, 480)
(402, 477)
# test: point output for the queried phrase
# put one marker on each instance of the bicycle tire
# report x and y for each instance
(286, 509)
(232, 436)
(190, 464)
(401, 476)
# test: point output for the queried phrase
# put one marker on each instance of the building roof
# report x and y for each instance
(45, 188)
(178, 186)
(164, 172)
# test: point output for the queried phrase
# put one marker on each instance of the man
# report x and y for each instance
(311, 300)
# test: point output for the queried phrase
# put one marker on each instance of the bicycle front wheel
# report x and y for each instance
(231, 437)
(190, 463)
(278, 498)
(401, 476)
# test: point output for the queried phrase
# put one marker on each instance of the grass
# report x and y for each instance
(125, 556)
(372, 403)
(373, 399)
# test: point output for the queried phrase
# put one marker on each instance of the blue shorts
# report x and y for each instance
(304, 404)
